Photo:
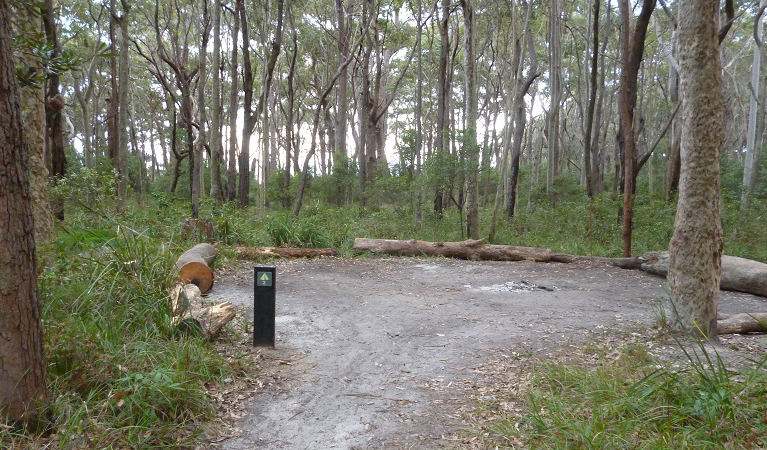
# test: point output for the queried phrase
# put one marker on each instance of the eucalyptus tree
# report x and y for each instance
(22, 365)
(252, 115)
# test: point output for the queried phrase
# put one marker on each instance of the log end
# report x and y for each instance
(198, 274)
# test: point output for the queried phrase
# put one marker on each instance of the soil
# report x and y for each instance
(385, 352)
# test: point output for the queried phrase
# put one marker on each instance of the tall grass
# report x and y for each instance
(120, 374)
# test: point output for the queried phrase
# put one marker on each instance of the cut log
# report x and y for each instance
(475, 250)
(738, 274)
(194, 266)
(283, 252)
(182, 297)
(210, 319)
(742, 323)
(190, 311)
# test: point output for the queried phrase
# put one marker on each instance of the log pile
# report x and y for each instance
(252, 253)
(188, 308)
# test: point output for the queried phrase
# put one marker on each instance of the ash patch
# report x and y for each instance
(516, 286)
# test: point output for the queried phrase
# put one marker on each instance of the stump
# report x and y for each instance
(194, 266)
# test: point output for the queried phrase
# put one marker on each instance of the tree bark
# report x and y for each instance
(33, 121)
(555, 87)
(471, 148)
(124, 100)
(587, 158)
(54, 106)
(216, 188)
(231, 182)
(696, 246)
(443, 92)
(22, 366)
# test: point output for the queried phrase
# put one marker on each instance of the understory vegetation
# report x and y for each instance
(630, 400)
(121, 375)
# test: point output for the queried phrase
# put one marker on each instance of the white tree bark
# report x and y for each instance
(696, 247)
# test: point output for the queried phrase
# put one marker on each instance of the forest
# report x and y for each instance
(588, 128)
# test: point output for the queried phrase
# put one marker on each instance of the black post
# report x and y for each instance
(264, 306)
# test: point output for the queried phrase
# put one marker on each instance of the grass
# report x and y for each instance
(120, 374)
(631, 401)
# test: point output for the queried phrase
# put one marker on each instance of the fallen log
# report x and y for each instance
(194, 266)
(738, 274)
(742, 323)
(283, 252)
(190, 311)
(473, 249)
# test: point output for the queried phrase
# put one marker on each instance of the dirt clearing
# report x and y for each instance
(383, 352)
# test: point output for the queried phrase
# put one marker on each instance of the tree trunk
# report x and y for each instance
(113, 111)
(555, 87)
(216, 188)
(696, 247)
(231, 181)
(755, 114)
(54, 107)
(22, 365)
(587, 157)
(33, 121)
(124, 99)
(632, 51)
(198, 185)
(340, 153)
(443, 91)
(471, 149)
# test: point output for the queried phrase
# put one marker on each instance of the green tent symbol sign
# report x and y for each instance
(264, 278)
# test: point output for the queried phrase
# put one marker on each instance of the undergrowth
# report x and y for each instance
(633, 402)
(120, 374)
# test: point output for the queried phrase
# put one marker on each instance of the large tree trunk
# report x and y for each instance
(33, 120)
(22, 366)
(696, 247)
